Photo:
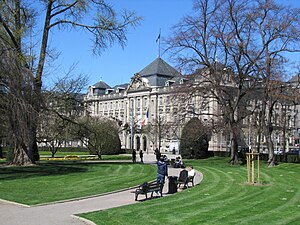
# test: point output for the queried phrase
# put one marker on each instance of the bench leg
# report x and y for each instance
(136, 196)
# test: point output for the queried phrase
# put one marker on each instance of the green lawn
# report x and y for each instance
(222, 198)
(53, 181)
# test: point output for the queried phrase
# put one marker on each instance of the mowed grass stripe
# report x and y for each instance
(208, 202)
(222, 198)
(284, 201)
(240, 199)
(254, 205)
(60, 181)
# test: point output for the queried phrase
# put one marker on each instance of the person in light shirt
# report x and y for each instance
(190, 178)
(191, 172)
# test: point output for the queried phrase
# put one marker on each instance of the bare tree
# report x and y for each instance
(239, 44)
(61, 107)
(204, 39)
(99, 135)
(156, 130)
(105, 28)
(276, 31)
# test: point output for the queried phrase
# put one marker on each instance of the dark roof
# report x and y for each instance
(102, 85)
(159, 67)
(121, 86)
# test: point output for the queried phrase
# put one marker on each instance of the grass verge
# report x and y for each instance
(221, 198)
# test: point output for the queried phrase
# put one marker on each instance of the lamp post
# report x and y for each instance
(132, 125)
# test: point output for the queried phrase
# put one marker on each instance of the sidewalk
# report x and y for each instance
(61, 213)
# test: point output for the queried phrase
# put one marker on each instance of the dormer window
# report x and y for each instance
(119, 89)
(169, 83)
(108, 91)
(182, 81)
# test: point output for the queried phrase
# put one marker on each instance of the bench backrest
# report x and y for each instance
(144, 186)
(183, 175)
(148, 186)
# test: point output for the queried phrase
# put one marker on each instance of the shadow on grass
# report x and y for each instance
(51, 168)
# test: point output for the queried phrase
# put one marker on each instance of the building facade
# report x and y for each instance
(148, 99)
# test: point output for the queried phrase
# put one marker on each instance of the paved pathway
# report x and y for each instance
(62, 213)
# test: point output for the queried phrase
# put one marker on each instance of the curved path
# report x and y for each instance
(63, 213)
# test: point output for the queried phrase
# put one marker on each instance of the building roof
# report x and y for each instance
(159, 67)
(123, 86)
(101, 85)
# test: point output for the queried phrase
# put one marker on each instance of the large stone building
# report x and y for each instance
(143, 101)
(148, 99)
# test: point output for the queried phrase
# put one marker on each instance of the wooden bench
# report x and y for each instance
(190, 180)
(148, 187)
(185, 180)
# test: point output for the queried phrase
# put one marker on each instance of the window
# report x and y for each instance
(139, 103)
(160, 101)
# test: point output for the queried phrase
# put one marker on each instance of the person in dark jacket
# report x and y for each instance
(141, 156)
(133, 156)
(157, 154)
(162, 172)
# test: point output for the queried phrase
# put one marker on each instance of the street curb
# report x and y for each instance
(85, 197)
(86, 221)
(14, 203)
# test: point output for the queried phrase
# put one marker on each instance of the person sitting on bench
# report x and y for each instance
(191, 175)
(178, 163)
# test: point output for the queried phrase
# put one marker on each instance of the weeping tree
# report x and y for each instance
(17, 20)
(16, 84)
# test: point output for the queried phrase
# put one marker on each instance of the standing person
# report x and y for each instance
(141, 156)
(133, 156)
(162, 172)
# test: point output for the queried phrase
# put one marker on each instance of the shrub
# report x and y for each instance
(112, 144)
(102, 136)
(194, 140)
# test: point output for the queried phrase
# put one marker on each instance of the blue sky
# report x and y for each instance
(117, 65)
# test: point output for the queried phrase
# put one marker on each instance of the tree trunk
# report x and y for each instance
(20, 157)
(271, 158)
(234, 147)
(1, 152)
